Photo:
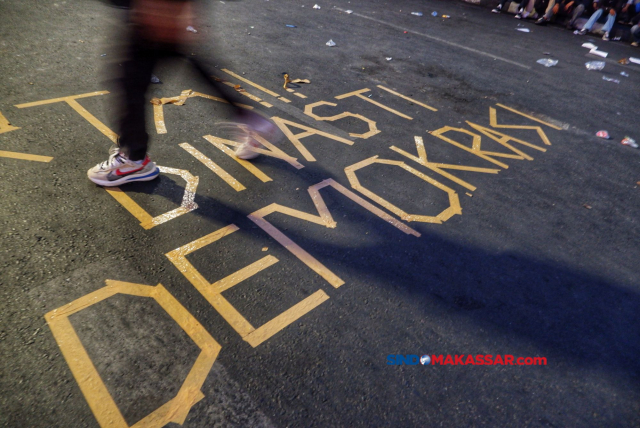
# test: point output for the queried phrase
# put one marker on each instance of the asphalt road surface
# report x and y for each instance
(439, 193)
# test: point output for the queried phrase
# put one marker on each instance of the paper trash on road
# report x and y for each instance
(191, 29)
(603, 134)
(594, 65)
(634, 60)
(416, 13)
(547, 62)
(349, 12)
(599, 53)
(609, 79)
(389, 58)
(589, 46)
(331, 43)
(628, 141)
(524, 30)
(315, 6)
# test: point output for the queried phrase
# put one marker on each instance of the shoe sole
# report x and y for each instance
(127, 179)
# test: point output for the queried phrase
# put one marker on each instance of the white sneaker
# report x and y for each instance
(118, 169)
(497, 9)
(606, 37)
(246, 133)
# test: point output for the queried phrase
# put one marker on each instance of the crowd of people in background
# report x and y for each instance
(626, 12)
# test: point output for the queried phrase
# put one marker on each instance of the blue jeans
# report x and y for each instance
(635, 33)
(611, 19)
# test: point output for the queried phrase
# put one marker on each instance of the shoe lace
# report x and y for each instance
(115, 159)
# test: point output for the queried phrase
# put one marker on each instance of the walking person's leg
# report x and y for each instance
(129, 162)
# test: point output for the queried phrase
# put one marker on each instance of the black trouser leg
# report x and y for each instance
(137, 68)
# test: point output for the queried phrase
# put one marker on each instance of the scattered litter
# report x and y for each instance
(416, 13)
(315, 6)
(624, 61)
(599, 53)
(524, 30)
(594, 65)
(389, 58)
(587, 206)
(434, 13)
(634, 60)
(331, 43)
(178, 101)
(190, 28)
(349, 11)
(547, 62)
(624, 73)
(617, 39)
(446, 16)
(609, 79)
(469, 194)
(252, 27)
(154, 79)
(265, 248)
(103, 55)
(628, 141)
(603, 134)
(589, 46)
(290, 26)
(405, 32)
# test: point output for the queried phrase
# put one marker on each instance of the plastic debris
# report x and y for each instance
(547, 62)
(291, 26)
(349, 11)
(603, 134)
(265, 248)
(416, 13)
(446, 16)
(524, 30)
(154, 79)
(389, 58)
(103, 55)
(587, 206)
(628, 141)
(599, 53)
(594, 65)
(331, 43)
(315, 6)
(190, 28)
(434, 13)
(609, 79)
(634, 60)
(589, 46)
(624, 61)
(624, 73)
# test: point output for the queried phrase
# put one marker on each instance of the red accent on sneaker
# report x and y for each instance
(120, 173)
